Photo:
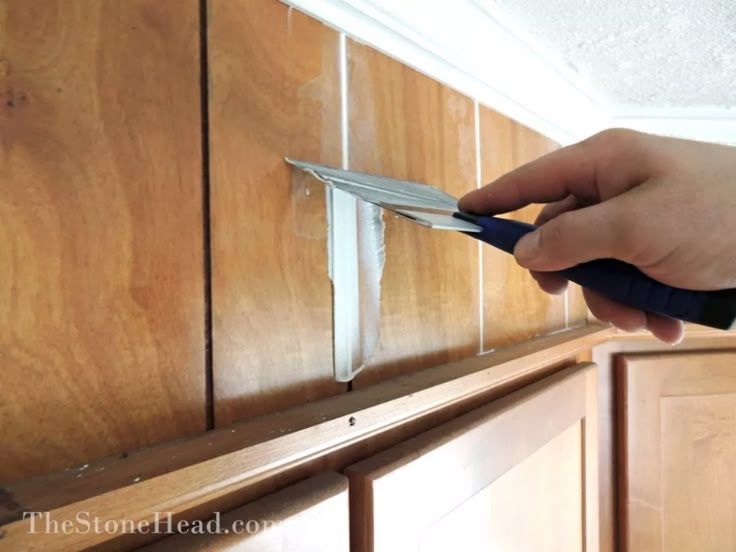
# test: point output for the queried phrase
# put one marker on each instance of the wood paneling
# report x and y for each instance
(274, 91)
(678, 449)
(577, 310)
(101, 293)
(508, 476)
(515, 308)
(310, 516)
(405, 125)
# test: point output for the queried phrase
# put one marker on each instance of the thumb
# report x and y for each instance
(597, 232)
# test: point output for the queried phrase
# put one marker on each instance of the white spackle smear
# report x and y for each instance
(343, 263)
(356, 259)
(356, 255)
(372, 257)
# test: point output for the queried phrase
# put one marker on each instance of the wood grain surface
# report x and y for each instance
(545, 490)
(405, 125)
(309, 516)
(677, 450)
(101, 292)
(448, 482)
(514, 307)
(697, 339)
(274, 91)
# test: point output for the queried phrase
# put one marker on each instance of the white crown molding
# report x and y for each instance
(474, 47)
(704, 129)
(706, 124)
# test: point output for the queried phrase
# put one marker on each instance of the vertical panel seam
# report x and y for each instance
(344, 125)
(206, 219)
(478, 184)
(344, 162)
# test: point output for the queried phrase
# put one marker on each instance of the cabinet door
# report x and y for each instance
(519, 474)
(310, 516)
(678, 451)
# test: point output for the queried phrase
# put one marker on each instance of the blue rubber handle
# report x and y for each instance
(621, 281)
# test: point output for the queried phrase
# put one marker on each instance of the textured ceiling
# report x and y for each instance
(640, 53)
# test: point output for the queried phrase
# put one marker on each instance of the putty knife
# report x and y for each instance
(431, 207)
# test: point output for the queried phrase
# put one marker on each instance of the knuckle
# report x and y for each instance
(556, 231)
(614, 136)
(612, 142)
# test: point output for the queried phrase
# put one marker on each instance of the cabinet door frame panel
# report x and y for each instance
(309, 516)
(383, 506)
(697, 338)
(641, 386)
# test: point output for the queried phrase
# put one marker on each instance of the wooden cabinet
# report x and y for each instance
(310, 516)
(678, 451)
(483, 453)
(518, 474)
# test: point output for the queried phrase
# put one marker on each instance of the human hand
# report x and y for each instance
(662, 204)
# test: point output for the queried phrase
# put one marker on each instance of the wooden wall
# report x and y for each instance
(274, 91)
(101, 270)
(405, 125)
(514, 307)
(117, 238)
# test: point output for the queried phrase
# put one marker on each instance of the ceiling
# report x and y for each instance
(641, 54)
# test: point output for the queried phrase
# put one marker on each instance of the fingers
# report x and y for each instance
(665, 329)
(573, 170)
(600, 231)
(549, 178)
(619, 315)
(552, 210)
(552, 283)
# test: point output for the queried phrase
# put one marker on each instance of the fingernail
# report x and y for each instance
(527, 248)
(472, 200)
(466, 201)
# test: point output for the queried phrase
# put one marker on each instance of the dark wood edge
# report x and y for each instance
(620, 453)
(590, 461)
(210, 466)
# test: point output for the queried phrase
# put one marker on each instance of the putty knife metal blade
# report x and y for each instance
(420, 203)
